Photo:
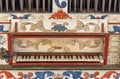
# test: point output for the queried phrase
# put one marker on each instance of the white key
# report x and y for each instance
(62, 58)
(83, 58)
(4, 61)
(32, 58)
(70, 58)
(101, 59)
(87, 58)
(37, 58)
(25, 58)
(22, 58)
(19, 58)
(79, 58)
(49, 58)
(57, 58)
(53, 58)
(41, 58)
(28, 58)
(14, 59)
(74, 58)
(66, 58)
(1, 61)
(45, 58)
(90, 58)
(96, 58)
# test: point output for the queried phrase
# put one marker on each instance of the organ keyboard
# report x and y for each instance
(59, 58)
(55, 51)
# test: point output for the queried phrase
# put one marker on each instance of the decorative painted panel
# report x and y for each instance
(80, 44)
(114, 49)
(60, 74)
(69, 26)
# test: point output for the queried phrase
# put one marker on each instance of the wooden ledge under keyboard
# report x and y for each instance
(58, 59)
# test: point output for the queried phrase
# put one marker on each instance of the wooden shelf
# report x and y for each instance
(105, 67)
(54, 33)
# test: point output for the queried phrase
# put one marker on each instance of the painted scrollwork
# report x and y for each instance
(58, 44)
(60, 27)
(38, 26)
(92, 43)
(86, 27)
(81, 44)
(82, 26)
(26, 44)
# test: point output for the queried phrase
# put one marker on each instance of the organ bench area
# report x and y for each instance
(59, 34)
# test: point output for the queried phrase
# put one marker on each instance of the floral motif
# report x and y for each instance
(44, 75)
(59, 27)
(4, 74)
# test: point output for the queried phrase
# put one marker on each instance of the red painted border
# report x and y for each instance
(113, 23)
(5, 22)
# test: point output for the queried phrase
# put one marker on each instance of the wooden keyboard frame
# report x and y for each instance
(65, 35)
